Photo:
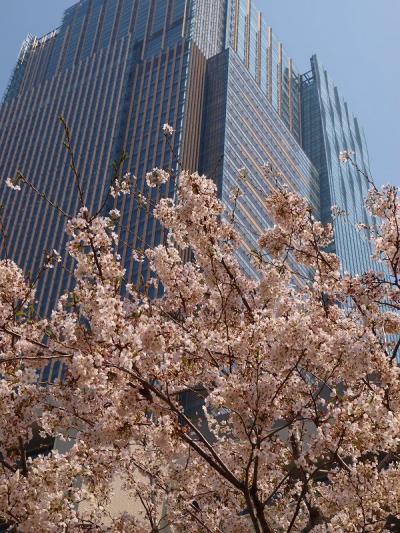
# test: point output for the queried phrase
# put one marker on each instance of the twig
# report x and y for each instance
(68, 146)
(42, 195)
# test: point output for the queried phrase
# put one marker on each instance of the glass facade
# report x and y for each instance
(89, 26)
(328, 129)
(157, 92)
(88, 96)
(117, 70)
(243, 130)
(264, 56)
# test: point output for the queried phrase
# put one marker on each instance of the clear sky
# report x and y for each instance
(356, 40)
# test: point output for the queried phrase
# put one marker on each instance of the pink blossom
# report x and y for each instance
(230, 403)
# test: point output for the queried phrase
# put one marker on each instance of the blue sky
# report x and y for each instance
(356, 40)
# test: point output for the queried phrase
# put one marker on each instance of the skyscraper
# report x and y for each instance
(117, 70)
(241, 125)
(328, 129)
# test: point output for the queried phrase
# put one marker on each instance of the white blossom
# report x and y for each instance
(13, 183)
(345, 156)
(362, 226)
(243, 173)
(142, 200)
(295, 383)
(167, 130)
(52, 259)
(115, 215)
(156, 177)
(122, 185)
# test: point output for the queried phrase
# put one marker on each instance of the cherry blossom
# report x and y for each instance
(168, 130)
(13, 184)
(230, 403)
(122, 185)
(345, 156)
(156, 177)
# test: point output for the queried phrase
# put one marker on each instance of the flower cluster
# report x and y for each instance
(122, 185)
(168, 130)
(52, 259)
(156, 177)
(229, 403)
(345, 156)
(14, 183)
(243, 174)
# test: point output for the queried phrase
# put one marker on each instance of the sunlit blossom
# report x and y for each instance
(292, 377)
(345, 156)
(156, 177)
(168, 130)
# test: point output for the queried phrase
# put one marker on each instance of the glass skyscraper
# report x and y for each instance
(328, 129)
(242, 130)
(117, 70)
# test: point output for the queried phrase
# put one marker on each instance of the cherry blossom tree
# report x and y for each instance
(297, 379)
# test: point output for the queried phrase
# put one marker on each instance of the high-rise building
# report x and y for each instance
(117, 70)
(242, 130)
(328, 129)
